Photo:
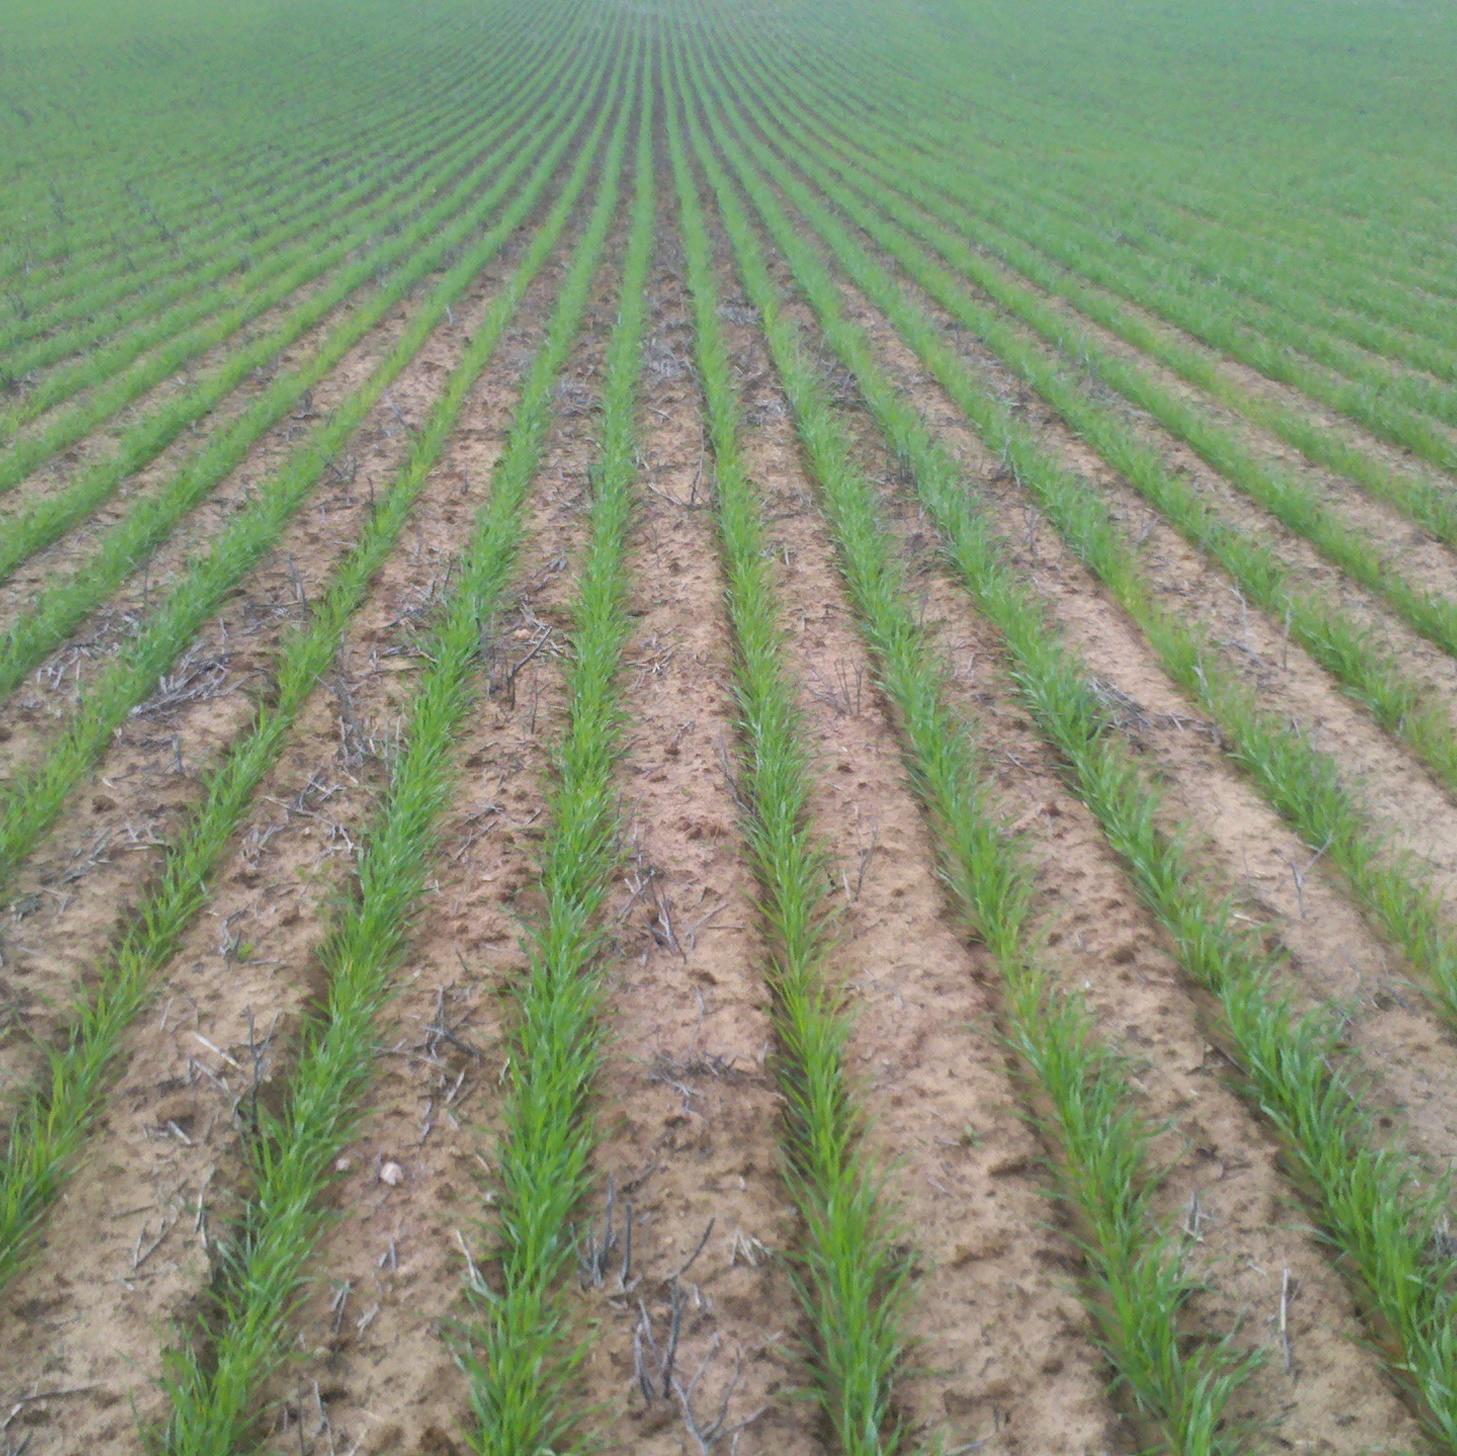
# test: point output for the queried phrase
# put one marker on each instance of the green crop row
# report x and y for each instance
(63, 601)
(215, 1382)
(849, 1279)
(136, 217)
(433, 238)
(55, 1117)
(1377, 1207)
(519, 1351)
(90, 302)
(1352, 204)
(1057, 253)
(366, 254)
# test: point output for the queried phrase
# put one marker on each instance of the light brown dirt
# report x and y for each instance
(1422, 561)
(63, 904)
(1339, 956)
(1419, 816)
(329, 518)
(98, 444)
(689, 1109)
(1400, 460)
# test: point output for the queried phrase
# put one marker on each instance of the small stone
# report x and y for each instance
(343, 1165)
(392, 1174)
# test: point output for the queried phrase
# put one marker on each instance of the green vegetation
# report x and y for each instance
(69, 202)
(285, 272)
(1301, 781)
(397, 265)
(214, 271)
(1294, 503)
(55, 1117)
(1136, 1281)
(248, 250)
(520, 1349)
(32, 801)
(215, 1383)
(1056, 249)
(850, 1281)
(1371, 1198)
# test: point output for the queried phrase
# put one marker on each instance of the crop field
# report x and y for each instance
(728, 727)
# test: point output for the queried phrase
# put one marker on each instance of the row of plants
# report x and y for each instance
(35, 794)
(1131, 176)
(849, 1278)
(255, 273)
(55, 1117)
(519, 1348)
(82, 214)
(1372, 1200)
(216, 1381)
(1300, 781)
(93, 302)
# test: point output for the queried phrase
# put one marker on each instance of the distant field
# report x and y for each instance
(728, 728)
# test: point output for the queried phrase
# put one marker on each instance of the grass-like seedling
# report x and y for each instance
(214, 1384)
(420, 156)
(1294, 503)
(1059, 252)
(1384, 263)
(849, 1279)
(1372, 1201)
(518, 1350)
(55, 1117)
(228, 234)
(117, 372)
(118, 269)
